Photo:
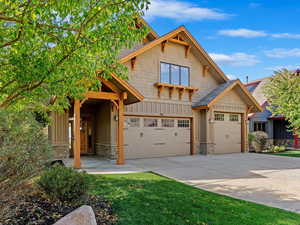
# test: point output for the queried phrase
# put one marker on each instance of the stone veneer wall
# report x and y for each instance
(60, 151)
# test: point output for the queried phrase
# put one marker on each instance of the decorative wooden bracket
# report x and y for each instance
(132, 62)
(180, 92)
(171, 90)
(191, 92)
(124, 95)
(82, 101)
(205, 70)
(163, 45)
(115, 104)
(172, 87)
(249, 108)
(159, 90)
(187, 50)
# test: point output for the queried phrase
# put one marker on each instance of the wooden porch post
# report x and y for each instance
(121, 156)
(77, 162)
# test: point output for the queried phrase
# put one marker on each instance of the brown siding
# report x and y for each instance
(59, 134)
(103, 129)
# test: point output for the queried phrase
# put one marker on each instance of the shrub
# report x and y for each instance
(63, 183)
(260, 141)
(24, 149)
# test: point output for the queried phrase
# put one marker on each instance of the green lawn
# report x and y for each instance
(295, 153)
(149, 199)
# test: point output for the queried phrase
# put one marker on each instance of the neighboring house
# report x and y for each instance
(275, 126)
(177, 101)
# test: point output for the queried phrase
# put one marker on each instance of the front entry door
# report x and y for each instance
(84, 135)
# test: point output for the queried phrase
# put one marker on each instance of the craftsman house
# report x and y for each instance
(275, 126)
(176, 101)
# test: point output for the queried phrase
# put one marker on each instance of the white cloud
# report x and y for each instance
(231, 77)
(286, 35)
(182, 11)
(242, 32)
(248, 33)
(283, 52)
(236, 59)
(288, 67)
(254, 5)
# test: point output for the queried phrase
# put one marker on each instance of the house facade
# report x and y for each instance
(176, 101)
(275, 126)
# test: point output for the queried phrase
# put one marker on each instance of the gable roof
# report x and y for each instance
(211, 98)
(143, 48)
(123, 86)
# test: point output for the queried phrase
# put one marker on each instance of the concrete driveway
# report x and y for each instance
(266, 179)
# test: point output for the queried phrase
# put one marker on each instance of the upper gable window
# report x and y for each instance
(174, 74)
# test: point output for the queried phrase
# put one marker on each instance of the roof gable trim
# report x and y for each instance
(169, 36)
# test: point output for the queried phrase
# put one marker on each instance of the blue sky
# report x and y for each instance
(245, 38)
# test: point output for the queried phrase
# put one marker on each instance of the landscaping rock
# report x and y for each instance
(81, 216)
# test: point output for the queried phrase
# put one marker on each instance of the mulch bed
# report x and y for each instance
(34, 209)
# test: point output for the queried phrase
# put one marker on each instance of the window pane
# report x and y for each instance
(167, 123)
(150, 122)
(219, 116)
(183, 123)
(234, 117)
(174, 74)
(164, 73)
(185, 76)
(132, 122)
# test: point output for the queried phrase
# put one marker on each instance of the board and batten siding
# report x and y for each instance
(147, 72)
(58, 134)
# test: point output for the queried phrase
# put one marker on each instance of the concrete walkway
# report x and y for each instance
(265, 179)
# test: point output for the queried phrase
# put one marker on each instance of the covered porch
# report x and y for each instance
(94, 125)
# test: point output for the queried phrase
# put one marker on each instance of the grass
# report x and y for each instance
(291, 153)
(149, 199)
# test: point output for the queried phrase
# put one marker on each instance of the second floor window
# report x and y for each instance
(174, 74)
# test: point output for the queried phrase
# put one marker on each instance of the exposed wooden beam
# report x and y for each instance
(110, 85)
(132, 63)
(102, 95)
(178, 42)
(115, 104)
(77, 161)
(171, 90)
(124, 95)
(187, 51)
(205, 70)
(82, 101)
(163, 45)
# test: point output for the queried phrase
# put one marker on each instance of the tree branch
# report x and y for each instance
(16, 20)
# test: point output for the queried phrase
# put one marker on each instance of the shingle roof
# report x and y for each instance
(213, 94)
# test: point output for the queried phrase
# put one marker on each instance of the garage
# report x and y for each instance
(147, 137)
(227, 133)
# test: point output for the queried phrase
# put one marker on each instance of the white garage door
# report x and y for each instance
(227, 133)
(147, 137)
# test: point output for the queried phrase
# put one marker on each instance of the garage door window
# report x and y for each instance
(167, 123)
(150, 122)
(234, 117)
(132, 122)
(219, 117)
(183, 123)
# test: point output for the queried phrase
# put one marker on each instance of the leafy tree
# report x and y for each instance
(53, 47)
(283, 94)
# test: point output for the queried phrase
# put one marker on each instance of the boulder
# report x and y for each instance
(81, 216)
